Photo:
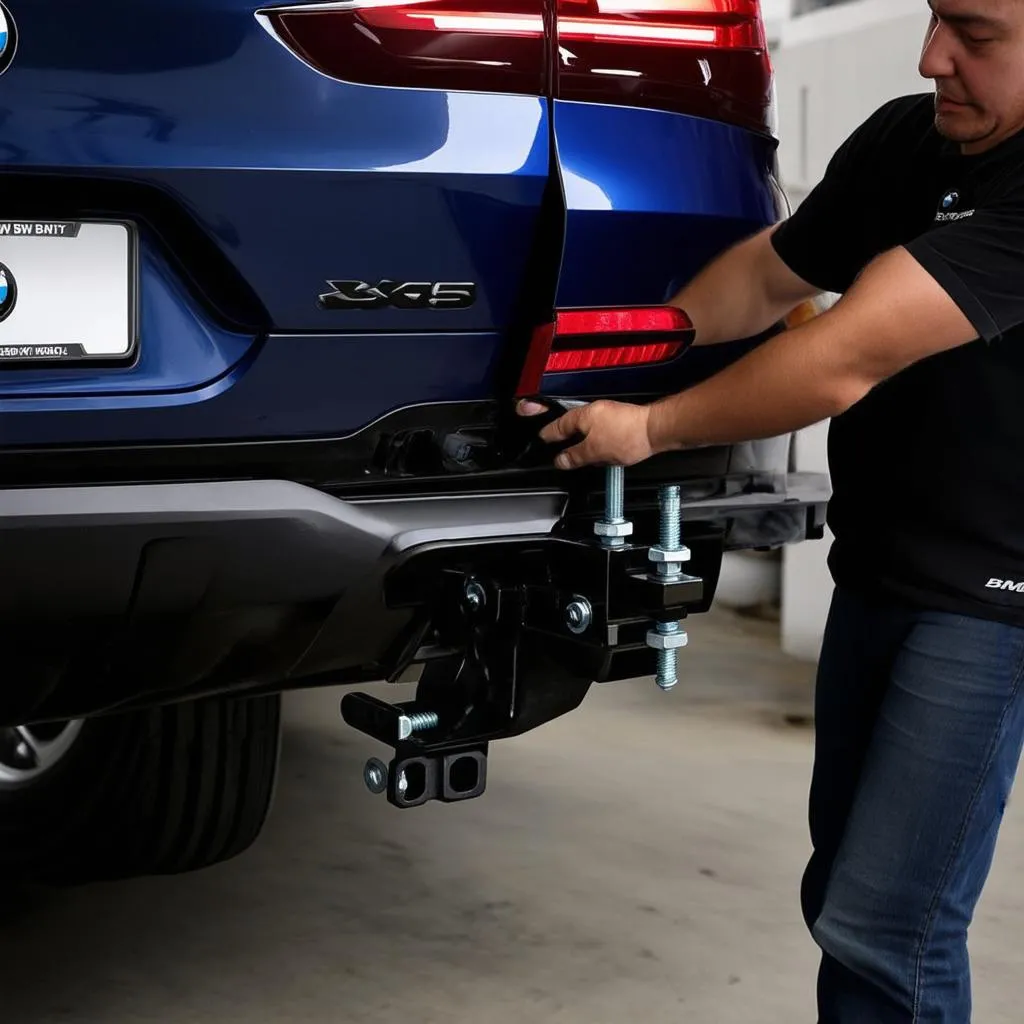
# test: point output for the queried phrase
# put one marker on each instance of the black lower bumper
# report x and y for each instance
(115, 597)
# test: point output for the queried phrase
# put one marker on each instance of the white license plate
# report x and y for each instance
(67, 291)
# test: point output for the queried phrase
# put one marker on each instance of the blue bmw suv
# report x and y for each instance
(271, 278)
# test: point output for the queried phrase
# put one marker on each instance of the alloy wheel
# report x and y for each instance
(27, 752)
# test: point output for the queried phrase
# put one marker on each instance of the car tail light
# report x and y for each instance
(705, 57)
(439, 44)
(721, 24)
(596, 339)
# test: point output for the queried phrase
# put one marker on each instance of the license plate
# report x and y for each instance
(67, 291)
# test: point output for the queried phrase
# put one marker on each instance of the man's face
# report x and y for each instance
(974, 51)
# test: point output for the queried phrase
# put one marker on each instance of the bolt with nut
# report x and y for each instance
(579, 615)
(668, 638)
(614, 528)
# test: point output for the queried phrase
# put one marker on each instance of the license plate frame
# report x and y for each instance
(37, 340)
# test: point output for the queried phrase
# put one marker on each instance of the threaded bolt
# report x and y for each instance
(670, 504)
(667, 677)
(418, 722)
(615, 494)
(669, 499)
(424, 720)
(614, 528)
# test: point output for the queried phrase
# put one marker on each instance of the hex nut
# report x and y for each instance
(667, 641)
(659, 554)
(603, 529)
(475, 595)
(579, 615)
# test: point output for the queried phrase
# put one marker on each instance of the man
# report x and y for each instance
(919, 223)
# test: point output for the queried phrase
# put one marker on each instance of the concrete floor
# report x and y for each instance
(638, 860)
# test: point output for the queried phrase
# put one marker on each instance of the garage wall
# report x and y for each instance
(834, 67)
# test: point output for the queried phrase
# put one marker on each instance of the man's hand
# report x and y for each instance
(614, 434)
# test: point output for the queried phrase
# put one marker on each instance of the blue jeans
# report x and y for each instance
(919, 723)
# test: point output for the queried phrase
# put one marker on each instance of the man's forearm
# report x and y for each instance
(742, 293)
(894, 315)
(791, 382)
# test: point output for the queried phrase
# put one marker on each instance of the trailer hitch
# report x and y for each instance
(511, 636)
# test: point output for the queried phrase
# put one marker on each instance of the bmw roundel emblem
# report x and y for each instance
(8, 38)
(8, 292)
(950, 199)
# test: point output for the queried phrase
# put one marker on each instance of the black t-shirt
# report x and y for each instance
(928, 469)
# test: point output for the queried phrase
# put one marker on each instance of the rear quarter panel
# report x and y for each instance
(651, 198)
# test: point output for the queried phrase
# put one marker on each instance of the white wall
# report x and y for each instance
(772, 9)
(775, 13)
(833, 68)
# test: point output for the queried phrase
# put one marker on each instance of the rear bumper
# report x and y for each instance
(116, 596)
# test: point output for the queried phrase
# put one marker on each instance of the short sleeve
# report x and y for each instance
(979, 262)
(831, 237)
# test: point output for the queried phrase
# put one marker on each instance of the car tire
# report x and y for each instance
(162, 791)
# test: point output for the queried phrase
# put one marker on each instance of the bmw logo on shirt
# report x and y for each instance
(8, 292)
(949, 208)
(8, 38)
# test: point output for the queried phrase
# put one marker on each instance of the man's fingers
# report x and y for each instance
(580, 455)
(527, 408)
(564, 427)
(576, 457)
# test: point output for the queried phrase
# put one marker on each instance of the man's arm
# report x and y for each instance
(895, 315)
(743, 292)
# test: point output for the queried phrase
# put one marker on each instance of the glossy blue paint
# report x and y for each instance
(651, 198)
(292, 386)
(296, 179)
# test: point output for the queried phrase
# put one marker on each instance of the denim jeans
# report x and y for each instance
(919, 725)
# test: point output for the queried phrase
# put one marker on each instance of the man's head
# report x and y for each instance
(974, 51)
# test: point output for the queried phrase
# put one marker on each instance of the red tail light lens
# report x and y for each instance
(614, 321)
(605, 358)
(705, 57)
(721, 24)
(434, 44)
(596, 339)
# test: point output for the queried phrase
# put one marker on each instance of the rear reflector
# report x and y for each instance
(620, 320)
(609, 51)
(604, 358)
(599, 339)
